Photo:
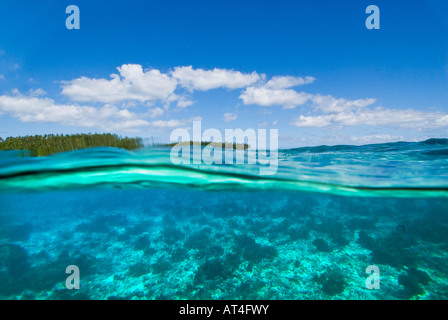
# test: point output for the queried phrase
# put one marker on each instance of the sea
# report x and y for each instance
(334, 222)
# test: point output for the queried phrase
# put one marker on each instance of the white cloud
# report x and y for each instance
(276, 92)
(316, 121)
(340, 138)
(329, 104)
(33, 109)
(409, 118)
(284, 82)
(183, 102)
(342, 112)
(168, 123)
(267, 97)
(37, 92)
(200, 79)
(376, 138)
(155, 112)
(174, 123)
(229, 117)
(442, 121)
(133, 86)
(132, 83)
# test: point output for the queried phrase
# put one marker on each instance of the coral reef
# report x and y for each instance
(144, 244)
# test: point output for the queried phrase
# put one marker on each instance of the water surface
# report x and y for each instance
(139, 227)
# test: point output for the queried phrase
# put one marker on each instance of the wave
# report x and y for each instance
(401, 169)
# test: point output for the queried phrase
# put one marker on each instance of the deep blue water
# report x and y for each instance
(139, 227)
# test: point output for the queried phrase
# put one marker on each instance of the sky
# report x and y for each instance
(309, 68)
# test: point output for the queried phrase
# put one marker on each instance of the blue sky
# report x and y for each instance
(310, 69)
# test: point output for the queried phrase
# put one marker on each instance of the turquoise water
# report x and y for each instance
(139, 227)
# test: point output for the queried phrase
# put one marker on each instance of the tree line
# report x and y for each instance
(45, 145)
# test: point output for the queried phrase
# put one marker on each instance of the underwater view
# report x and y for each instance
(139, 227)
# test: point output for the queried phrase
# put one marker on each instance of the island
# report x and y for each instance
(48, 144)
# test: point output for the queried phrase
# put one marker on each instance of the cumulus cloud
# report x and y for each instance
(183, 102)
(173, 123)
(37, 92)
(203, 80)
(132, 83)
(442, 121)
(284, 82)
(342, 112)
(376, 138)
(411, 119)
(267, 97)
(329, 104)
(277, 92)
(155, 112)
(229, 117)
(34, 109)
(135, 87)
(168, 123)
(107, 117)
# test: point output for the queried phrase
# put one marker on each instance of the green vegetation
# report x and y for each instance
(238, 146)
(49, 144)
